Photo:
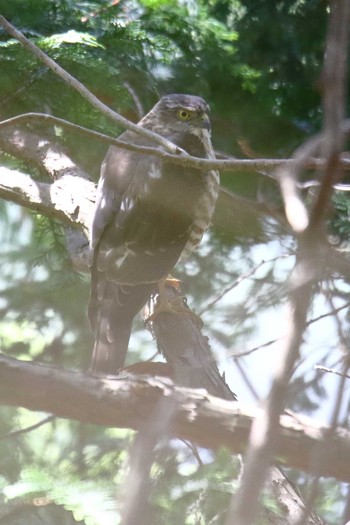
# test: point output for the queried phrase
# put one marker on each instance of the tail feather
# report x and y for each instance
(108, 356)
(111, 314)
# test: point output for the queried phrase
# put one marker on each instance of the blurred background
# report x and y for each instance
(258, 64)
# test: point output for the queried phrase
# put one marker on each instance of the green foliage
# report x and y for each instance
(339, 223)
(88, 502)
(70, 37)
(40, 512)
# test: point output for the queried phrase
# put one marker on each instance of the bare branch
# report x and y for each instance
(183, 160)
(334, 101)
(237, 355)
(39, 152)
(311, 250)
(334, 81)
(288, 173)
(70, 200)
(295, 209)
(114, 116)
(263, 440)
(290, 499)
(242, 278)
(27, 118)
(25, 430)
(330, 371)
(318, 455)
(138, 104)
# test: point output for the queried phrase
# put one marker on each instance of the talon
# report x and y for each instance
(174, 305)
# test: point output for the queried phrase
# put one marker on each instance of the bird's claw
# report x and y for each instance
(175, 306)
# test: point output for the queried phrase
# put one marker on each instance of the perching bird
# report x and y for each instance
(149, 213)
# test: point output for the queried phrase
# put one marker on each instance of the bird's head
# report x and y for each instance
(179, 114)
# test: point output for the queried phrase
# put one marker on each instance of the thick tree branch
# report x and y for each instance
(35, 150)
(127, 402)
(70, 199)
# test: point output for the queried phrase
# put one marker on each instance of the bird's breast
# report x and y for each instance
(203, 212)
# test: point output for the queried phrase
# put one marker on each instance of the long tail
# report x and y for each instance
(111, 315)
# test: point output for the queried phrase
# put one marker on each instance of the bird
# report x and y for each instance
(149, 214)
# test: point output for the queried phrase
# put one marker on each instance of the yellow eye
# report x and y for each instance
(183, 114)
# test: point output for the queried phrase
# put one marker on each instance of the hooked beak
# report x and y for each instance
(205, 122)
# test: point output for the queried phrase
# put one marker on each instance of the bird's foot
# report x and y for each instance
(169, 299)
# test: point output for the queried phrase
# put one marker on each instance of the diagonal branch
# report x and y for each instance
(310, 256)
(69, 199)
(84, 92)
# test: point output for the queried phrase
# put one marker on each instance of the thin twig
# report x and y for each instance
(246, 380)
(194, 451)
(197, 162)
(240, 279)
(327, 314)
(264, 430)
(273, 341)
(237, 355)
(25, 430)
(138, 104)
(322, 451)
(330, 370)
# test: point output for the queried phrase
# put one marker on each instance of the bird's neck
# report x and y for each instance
(190, 143)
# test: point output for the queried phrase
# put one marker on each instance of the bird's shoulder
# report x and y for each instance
(122, 179)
